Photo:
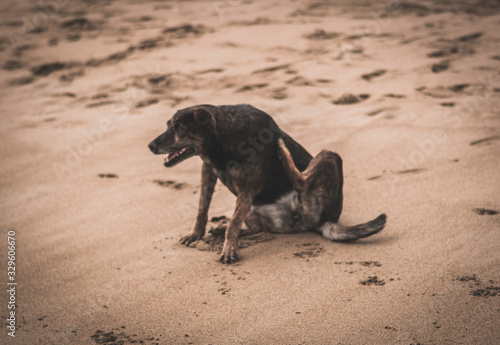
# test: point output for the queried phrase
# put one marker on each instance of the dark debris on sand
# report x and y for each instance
(252, 87)
(370, 76)
(78, 24)
(108, 176)
(118, 336)
(350, 99)
(485, 140)
(441, 66)
(478, 289)
(320, 34)
(11, 65)
(416, 8)
(115, 57)
(372, 281)
(470, 37)
(185, 30)
(394, 95)
(489, 291)
(310, 250)
(485, 211)
(458, 87)
(149, 43)
(443, 52)
(24, 80)
(370, 263)
(147, 102)
(48, 68)
(169, 183)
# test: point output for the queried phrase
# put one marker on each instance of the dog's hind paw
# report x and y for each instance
(281, 148)
(229, 255)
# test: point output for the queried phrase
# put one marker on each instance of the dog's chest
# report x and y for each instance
(241, 177)
(227, 181)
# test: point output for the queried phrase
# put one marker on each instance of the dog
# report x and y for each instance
(279, 186)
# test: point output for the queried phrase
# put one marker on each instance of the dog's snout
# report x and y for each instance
(152, 146)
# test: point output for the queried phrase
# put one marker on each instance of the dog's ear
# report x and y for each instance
(203, 116)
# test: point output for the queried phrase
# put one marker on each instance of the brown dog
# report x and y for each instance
(279, 186)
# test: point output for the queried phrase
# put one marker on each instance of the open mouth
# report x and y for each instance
(178, 156)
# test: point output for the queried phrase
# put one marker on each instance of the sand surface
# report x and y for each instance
(84, 87)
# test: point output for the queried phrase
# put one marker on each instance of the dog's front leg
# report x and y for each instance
(208, 182)
(230, 250)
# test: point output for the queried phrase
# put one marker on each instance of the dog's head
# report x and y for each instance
(187, 134)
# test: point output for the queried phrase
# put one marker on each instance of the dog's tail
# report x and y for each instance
(336, 232)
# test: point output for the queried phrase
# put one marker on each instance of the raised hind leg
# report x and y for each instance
(320, 188)
(319, 185)
(316, 198)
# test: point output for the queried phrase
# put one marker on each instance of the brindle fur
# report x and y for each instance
(279, 186)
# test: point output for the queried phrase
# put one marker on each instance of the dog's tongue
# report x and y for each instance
(171, 156)
(175, 154)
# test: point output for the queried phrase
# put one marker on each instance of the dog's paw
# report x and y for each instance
(229, 255)
(187, 240)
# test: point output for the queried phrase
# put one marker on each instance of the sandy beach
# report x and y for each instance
(408, 93)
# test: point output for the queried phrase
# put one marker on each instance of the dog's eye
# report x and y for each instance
(178, 128)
